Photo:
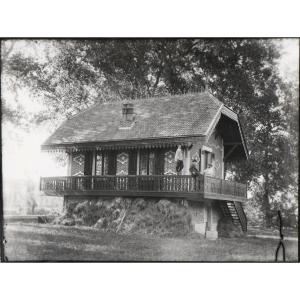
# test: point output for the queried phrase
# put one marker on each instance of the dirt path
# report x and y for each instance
(273, 237)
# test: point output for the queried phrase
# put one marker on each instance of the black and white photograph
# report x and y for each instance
(150, 149)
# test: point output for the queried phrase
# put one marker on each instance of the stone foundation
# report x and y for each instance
(203, 216)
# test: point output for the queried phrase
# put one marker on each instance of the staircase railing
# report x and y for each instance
(242, 216)
(225, 187)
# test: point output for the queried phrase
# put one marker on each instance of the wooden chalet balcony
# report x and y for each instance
(146, 185)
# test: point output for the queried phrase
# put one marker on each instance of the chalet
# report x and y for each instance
(133, 148)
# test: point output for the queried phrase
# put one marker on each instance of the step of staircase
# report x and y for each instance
(230, 209)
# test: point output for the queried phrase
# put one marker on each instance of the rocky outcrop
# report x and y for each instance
(129, 215)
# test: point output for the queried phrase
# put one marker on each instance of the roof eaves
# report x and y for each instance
(243, 138)
(229, 113)
(124, 140)
(214, 122)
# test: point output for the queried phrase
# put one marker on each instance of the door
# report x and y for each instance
(147, 168)
(88, 170)
(88, 163)
(112, 163)
(132, 169)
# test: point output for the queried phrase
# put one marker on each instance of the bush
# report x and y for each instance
(68, 222)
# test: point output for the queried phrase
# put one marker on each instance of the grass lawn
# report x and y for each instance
(37, 242)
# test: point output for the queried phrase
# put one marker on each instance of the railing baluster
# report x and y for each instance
(151, 183)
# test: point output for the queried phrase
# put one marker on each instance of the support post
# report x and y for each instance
(69, 169)
(211, 232)
(138, 162)
(94, 163)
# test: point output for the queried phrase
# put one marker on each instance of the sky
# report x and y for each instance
(289, 62)
(21, 154)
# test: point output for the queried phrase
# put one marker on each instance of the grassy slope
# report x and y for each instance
(49, 242)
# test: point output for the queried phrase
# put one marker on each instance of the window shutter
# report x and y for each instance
(88, 163)
(132, 162)
(159, 162)
(112, 163)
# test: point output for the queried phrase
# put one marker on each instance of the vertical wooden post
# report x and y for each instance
(186, 162)
(221, 186)
(201, 169)
(93, 168)
(138, 162)
(94, 163)
(69, 169)
(222, 160)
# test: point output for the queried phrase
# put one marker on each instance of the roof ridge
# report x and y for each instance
(85, 110)
(215, 99)
(157, 97)
(140, 99)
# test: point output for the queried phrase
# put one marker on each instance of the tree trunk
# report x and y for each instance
(267, 209)
(266, 203)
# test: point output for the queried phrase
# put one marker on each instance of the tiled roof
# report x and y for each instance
(169, 116)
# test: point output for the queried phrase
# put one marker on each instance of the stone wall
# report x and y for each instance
(145, 215)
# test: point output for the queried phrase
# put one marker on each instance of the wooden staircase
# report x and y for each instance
(235, 211)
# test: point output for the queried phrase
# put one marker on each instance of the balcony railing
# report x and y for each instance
(215, 186)
(176, 184)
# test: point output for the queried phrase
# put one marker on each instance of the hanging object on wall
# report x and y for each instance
(122, 164)
(170, 163)
(77, 167)
(179, 159)
(195, 158)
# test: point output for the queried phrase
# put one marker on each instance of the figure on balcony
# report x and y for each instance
(179, 159)
(210, 170)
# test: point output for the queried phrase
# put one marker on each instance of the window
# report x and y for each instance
(101, 164)
(208, 159)
(146, 163)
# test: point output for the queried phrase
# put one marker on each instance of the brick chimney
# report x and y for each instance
(128, 116)
(128, 112)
